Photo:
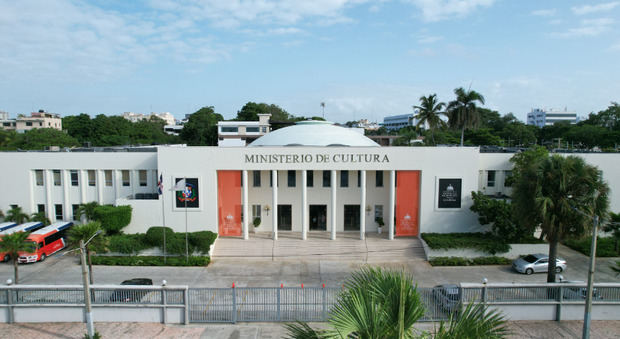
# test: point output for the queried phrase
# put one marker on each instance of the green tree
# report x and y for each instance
(613, 226)
(201, 129)
(37, 139)
(7, 139)
(462, 112)
(406, 136)
(14, 243)
(430, 112)
(518, 133)
(498, 213)
(87, 210)
(81, 127)
(482, 136)
(40, 217)
(568, 193)
(85, 232)
(16, 215)
(474, 322)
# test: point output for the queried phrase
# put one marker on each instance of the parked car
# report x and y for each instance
(537, 263)
(447, 296)
(129, 296)
(578, 293)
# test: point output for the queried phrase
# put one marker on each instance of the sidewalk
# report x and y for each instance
(520, 329)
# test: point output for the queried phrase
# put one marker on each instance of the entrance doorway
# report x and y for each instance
(351, 217)
(284, 218)
(318, 217)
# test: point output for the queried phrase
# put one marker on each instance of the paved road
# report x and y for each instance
(59, 269)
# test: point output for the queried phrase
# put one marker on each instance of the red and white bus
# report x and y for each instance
(48, 240)
(27, 227)
(6, 225)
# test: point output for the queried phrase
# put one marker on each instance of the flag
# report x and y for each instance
(160, 185)
(179, 186)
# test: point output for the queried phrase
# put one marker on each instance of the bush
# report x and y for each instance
(458, 261)
(604, 246)
(202, 240)
(127, 243)
(113, 218)
(485, 242)
(150, 261)
(155, 235)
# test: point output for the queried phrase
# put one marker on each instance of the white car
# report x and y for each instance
(534, 263)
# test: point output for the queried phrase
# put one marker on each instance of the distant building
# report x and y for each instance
(543, 117)
(135, 117)
(241, 133)
(396, 122)
(367, 125)
(40, 119)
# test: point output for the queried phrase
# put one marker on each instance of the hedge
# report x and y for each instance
(175, 242)
(150, 261)
(604, 246)
(113, 218)
(485, 242)
(458, 261)
(127, 243)
(155, 235)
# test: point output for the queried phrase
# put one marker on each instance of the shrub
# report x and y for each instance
(604, 246)
(127, 243)
(485, 242)
(150, 261)
(113, 218)
(458, 261)
(202, 240)
(155, 235)
(176, 244)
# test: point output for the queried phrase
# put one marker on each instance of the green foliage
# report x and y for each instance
(459, 261)
(379, 221)
(485, 242)
(498, 213)
(150, 261)
(613, 227)
(38, 138)
(251, 110)
(482, 136)
(202, 241)
(96, 335)
(605, 247)
(155, 235)
(462, 112)
(201, 128)
(40, 217)
(127, 243)
(87, 210)
(14, 243)
(430, 112)
(256, 222)
(87, 231)
(113, 218)
(475, 321)
(16, 215)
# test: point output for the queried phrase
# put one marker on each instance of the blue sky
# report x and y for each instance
(364, 59)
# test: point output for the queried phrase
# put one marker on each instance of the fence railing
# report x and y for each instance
(180, 304)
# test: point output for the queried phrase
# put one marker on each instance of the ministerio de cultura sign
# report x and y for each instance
(315, 158)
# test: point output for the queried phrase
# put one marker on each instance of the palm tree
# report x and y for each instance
(86, 232)
(430, 112)
(473, 323)
(16, 214)
(40, 217)
(87, 210)
(462, 112)
(14, 243)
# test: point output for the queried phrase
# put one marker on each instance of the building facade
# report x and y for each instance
(543, 117)
(40, 119)
(241, 133)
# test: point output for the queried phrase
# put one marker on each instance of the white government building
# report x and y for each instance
(329, 179)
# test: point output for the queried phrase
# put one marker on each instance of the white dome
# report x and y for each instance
(314, 133)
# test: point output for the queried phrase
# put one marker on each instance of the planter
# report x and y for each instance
(379, 229)
(516, 250)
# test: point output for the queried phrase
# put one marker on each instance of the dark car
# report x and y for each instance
(447, 297)
(129, 295)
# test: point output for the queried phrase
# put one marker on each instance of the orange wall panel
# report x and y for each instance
(407, 203)
(229, 202)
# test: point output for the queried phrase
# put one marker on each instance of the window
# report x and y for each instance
(344, 178)
(327, 178)
(251, 129)
(230, 129)
(255, 212)
(41, 208)
(56, 177)
(310, 178)
(379, 178)
(378, 211)
(491, 179)
(270, 179)
(39, 177)
(125, 178)
(256, 178)
(291, 178)
(13, 206)
(108, 177)
(359, 178)
(263, 129)
(74, 210)
(507, 178)
(74, 178)
(92, 179)
(142, 177)
(58, 208)
(29, 123)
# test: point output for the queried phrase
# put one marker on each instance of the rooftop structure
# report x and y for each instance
(315, 133)
(165, 116)
(547, 117)
(240, 133)
(40, 119)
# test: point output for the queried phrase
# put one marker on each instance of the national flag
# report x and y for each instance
(179, 186)
(160, 185)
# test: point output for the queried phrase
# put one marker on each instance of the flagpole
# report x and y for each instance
(163, 216)
(186, 246)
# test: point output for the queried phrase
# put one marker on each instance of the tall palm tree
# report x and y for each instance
(430, 112)
(473, 323)
(462, 112)
(16, 214)
(87, 210)
(86, 232)
(40, 217)
(14, 243)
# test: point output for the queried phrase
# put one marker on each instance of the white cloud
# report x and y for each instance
(587, 9)
(587, 28)
(436, 10)
(429, 39)
(544, 12)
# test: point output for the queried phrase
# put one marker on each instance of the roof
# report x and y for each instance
(314, 133)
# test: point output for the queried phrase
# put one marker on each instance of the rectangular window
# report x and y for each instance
(74, 210)
(251, 129)
(507, 178)
(344, 178)
(292, 178)
(125, 178)
(490, 178)
(108, 177)
(39, 177)
(359, 178)
(56, 177)
(310, 178)
(327, 178)
(255, 212)
(29, 123)
(58, 208)
(41, 208)
(74, 178)
(379, 178)
(92, 178)
(378, 211)
(256, 178)
(143, 178)
(230, 129)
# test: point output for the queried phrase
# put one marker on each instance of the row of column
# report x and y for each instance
(304, 204)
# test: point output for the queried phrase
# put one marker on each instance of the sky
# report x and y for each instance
(363, 59)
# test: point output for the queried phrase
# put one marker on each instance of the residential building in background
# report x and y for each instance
(241, 133)
(40, 119)
(165, 116)
(547, 117)
(396, 122)
(366, 125)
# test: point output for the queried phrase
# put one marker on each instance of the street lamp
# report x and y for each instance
(90, 327)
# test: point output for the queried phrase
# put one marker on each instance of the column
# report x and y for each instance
(134, 181)
(246, 215)
(274, 201)
(100, 182)
(362, 204)
(49, 182)
(392, 204)
(117, 184)
(83, 174)
(304, 205)
(66, 183)
(333, 221)
(31, 183)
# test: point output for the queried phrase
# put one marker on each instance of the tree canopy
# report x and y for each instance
(201, 128)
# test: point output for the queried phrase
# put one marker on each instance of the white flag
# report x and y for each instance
(179, 186)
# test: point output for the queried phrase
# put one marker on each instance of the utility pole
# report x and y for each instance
(587, 316)
(90, 327)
